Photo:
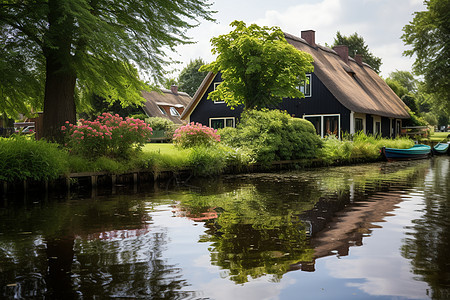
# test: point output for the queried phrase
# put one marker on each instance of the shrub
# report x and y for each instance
(108, 135)
(158, 123)
(195, 134)
(22, 158)
(272, 135)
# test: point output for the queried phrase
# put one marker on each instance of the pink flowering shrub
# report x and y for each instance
(108, 134)
(195, 134)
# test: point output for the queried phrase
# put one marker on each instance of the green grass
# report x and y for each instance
(439, 136)
(164, 148)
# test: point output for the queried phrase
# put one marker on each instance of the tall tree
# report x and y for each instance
(259, 67)
(94, 46)
(357, 45)
(428, 34)
(190, 77)
(405, 79)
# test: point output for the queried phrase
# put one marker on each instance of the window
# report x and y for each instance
(174, 112)
(331, 124)
(316, 121)
(216, 84)
(326, 124)
(359, 126)
(162, 110)
(377, 128)
(218, 123)
(305, 86)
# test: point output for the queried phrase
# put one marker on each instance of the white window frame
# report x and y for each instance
(174, 112)
(322, 131)
(224, 121)
(307, 81)
(162, 110)
(355, 116)
(216, 84)
(375, 120)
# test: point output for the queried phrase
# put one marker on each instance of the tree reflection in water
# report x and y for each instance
(85, 249)
(275, 223)
(429, 242)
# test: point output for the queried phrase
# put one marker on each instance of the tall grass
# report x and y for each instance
(360, 147)
(22, 158)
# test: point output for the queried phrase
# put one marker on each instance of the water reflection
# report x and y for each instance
(276, 223)
(258, 236)
(428, 241)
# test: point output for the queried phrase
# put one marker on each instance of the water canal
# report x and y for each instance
(375, 231)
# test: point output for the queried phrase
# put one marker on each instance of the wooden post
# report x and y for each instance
(94, 181)
(68, 184)
(113, 183)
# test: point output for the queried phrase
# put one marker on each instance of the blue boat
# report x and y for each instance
(441, 148)
(416, 152)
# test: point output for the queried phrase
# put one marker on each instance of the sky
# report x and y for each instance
(379, 22)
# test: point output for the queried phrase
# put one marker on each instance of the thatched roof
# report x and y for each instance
(354, 84)
(165, 98)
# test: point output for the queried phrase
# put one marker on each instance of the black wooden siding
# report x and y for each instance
(321, 102)
(207, 109)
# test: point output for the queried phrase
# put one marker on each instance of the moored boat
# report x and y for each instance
(441, 148)
(416, 152)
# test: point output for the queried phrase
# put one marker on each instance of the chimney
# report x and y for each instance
(310, 37)
(174, 89)
(359, 59)
(342, 51)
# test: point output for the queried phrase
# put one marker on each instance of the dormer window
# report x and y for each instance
(174, 112)
(162, 110)
(305, 86)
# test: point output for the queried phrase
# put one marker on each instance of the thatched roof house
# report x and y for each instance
(343, 95)
(168, 104)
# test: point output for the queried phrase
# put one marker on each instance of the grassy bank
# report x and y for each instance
(22, 158)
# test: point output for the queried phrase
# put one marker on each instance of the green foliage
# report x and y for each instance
(411, 102)
(259, 67)
(190, 77)
(357, 45)
(195, 134)
(415, 120)
(95, 45)
(428, 34)
(405, 79)
(272, 135)
(22, 158)
(360, 147)
(398, 89)
(157, 123)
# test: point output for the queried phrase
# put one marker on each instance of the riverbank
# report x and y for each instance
(40, 166)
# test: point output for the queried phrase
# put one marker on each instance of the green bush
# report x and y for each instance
(158, 123)
(272, 135)
(22, 158)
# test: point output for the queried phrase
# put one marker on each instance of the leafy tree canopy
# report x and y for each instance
(405, 79)
(83, 47)
(357, 45)
(428, 34)
(190, 77)
(259, 67)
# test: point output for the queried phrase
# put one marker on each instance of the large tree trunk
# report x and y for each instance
(59, 102)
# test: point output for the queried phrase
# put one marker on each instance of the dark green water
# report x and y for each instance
(376, 231)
